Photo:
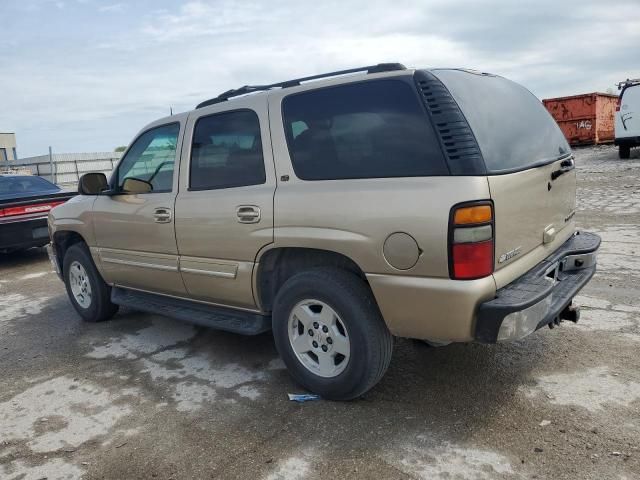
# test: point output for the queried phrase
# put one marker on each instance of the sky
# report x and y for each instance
(87, 75)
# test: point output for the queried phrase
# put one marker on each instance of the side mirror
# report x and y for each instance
(135, 185)
(93, 184)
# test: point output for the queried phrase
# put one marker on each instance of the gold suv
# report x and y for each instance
(338, 211)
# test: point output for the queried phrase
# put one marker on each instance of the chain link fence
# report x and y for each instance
(69, 167)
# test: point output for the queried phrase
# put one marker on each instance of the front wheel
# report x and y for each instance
(624, 151)
(330, 334)
(89, 294)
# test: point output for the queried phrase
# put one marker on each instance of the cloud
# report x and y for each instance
(113, 8)
(88, 81)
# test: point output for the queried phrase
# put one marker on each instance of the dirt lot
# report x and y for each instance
(147, 397)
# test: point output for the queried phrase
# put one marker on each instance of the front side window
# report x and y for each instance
(227, 151)
(373, 129)
(151, 158)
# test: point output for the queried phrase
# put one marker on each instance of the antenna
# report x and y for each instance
(170, 110)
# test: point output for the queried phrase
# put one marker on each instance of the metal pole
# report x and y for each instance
(53, 180)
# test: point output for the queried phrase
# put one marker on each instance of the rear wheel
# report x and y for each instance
(624, 151)
(89, 294)
(330, 334)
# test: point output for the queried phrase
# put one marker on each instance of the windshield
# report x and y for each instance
(512, 127)
(19, 186)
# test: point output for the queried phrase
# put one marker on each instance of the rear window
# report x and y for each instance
(631, 94)
(370, 129)
(17, 186)
(513, 129)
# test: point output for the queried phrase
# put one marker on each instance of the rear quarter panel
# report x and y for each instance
(355, 217)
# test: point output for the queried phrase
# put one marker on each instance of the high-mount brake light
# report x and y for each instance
(471, 241)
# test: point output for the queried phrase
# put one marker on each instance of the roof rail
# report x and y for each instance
(381, 67)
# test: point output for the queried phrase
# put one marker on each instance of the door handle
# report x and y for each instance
(248, 214)
(565, 166)
(162, 215)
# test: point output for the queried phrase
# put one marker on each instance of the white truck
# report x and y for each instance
(628, 117)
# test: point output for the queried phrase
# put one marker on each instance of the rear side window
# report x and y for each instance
(227, 151)
(512, 127)
(361, 130)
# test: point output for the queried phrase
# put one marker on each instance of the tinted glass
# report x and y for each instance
(362, 130)
(227, 151)
(24, 185)
(512, 127)
(151, 158)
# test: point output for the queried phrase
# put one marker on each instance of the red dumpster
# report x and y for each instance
(584, 119)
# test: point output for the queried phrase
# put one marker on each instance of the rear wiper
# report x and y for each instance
(565, 166)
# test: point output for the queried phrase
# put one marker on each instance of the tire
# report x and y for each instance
(93, 304)
(624, 151)
(357, 318)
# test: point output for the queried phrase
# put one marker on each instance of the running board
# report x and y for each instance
(235, 321)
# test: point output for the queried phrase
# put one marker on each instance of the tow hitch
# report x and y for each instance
(571, 313)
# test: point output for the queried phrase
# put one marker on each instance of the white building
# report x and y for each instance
(8, 152)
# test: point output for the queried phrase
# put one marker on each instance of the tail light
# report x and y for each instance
(471, 241)
(28, 209)
(618, 102)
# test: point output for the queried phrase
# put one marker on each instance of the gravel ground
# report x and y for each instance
(147, 397)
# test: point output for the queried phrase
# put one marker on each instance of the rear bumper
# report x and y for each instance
(440, 310)
(631, 141)
(17, 234)
(542, 296)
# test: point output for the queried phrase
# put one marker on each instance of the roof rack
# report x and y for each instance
(628, 83)
(381, 67)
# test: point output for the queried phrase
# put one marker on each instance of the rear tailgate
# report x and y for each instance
(529, 168)
(532, 220)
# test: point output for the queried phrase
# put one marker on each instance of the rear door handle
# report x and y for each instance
(248, 214)
(162, 215)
